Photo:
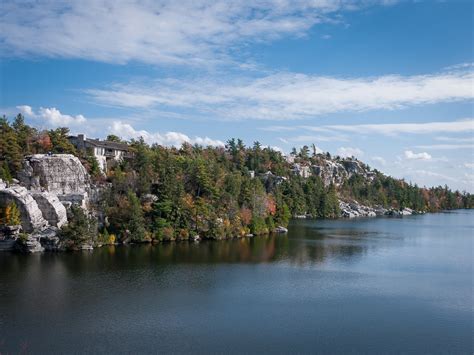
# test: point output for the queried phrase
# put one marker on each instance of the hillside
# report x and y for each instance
(165, 193)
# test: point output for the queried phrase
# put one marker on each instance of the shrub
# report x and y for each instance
(166, 234)
(183, 234)
(258, 225)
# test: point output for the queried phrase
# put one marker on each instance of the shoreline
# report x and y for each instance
(11, 245)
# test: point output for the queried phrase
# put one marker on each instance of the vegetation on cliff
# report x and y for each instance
(168, 193)
(10, 215)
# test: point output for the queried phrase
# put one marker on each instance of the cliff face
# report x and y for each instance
(60, 174)
(47, 185)
(338, 171)
(51, 208)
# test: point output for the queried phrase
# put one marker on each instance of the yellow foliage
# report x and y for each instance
(183, 234)
(112, 239)
(10, 215)
(148, 236)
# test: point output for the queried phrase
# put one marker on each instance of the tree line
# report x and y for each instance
(169, 193)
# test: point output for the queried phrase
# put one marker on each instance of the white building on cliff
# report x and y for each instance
(107, 153)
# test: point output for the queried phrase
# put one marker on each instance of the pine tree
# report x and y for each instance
(10, 150)
(136, 221)
(60, 142)
(80, 230)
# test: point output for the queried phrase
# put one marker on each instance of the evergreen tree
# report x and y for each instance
(136, 221)
(80, 230)
(10, 150)
(60, 142)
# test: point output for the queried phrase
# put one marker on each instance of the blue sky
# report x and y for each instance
(390, 82)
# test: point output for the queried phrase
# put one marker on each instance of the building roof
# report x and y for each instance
(107, 144)
(104, 144)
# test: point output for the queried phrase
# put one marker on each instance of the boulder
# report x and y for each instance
(355, 209)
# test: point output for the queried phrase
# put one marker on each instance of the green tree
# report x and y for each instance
(113, 138)
(10, 150)
(136, 221)
(80, 230)
(60, 142)
(25, 134)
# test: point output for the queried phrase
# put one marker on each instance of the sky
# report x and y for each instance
(389, 82)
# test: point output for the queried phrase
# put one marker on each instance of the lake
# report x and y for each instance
(379, 285)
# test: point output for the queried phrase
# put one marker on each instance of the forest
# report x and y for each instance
(169, 193)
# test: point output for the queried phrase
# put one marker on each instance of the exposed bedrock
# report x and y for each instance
(31, 215)
(51, 207)
(60, 174)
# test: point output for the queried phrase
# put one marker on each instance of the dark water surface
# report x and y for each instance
(383, 285)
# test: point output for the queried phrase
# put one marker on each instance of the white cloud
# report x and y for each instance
(379, 160)
(51, 116)
(445, 146)
(455, 180)
(126, 131)
(285, 96)
(161, 31)
(456, 139)
(349, 152)
(26, 110)
(417, 156)
(469, 165)
(465, 125)
(316, 138)
(426, 173)
(469, 177)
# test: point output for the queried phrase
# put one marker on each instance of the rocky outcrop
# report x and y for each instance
(48, 239)
(61, 174)
(354, 209)
(330, 172)
(8, 237)
(403, 212)
(51, 208)
(29, 245)
(31, 215)
(49, 183)
(337, 171)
